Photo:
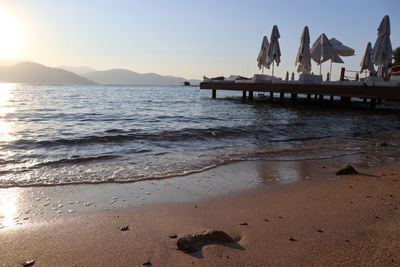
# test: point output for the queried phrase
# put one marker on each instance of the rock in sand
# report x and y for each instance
(346, 169)
(194, 242)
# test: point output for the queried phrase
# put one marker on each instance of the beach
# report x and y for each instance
(111, 182)
(321, 219)
(128, 140)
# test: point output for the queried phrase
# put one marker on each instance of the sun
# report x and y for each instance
(10, 36)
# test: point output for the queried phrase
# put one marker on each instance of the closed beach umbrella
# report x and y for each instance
(382, 51)
(322, 51)
(274, 51)
(341, 50)
(303, 57)
(366, 61)
(262, 56)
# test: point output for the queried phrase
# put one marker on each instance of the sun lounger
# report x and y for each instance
(218, 81)
(245, 81)
(286, 82)
(310, 79)
(391, 83)
(259, 78)
(344, 83)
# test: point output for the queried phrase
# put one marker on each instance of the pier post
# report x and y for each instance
(282, 96)
(331, 98)
(294, 96)
(345, 99)
(244, 95)
(342, 72)
(373, 103)
(251, 95)
(271, 95)
(308, 97)
(214, 93)
(321, 97)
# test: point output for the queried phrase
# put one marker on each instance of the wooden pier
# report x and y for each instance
(345, 90)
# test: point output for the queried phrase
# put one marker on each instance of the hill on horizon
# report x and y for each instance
(128, 77)
(77, 69)
(30, 72)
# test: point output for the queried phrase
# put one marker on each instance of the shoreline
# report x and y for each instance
(26, 205)
(297, 198)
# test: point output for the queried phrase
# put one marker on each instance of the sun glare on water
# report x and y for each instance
(11, 36)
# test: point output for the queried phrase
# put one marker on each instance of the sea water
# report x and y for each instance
(62, 134)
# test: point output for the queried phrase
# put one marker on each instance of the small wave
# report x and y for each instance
(126, 136)
(9, 184)
(309, 138)
(181, 173)
(121, 136)
(72, 160)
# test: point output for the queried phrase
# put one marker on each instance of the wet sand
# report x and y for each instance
(320, 219)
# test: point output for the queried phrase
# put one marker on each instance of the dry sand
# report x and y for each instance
(347, 220)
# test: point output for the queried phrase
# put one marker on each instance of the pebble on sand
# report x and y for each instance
(124, 228)
(28, 263)
(172, 236)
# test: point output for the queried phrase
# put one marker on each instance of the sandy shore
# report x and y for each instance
(347, 220)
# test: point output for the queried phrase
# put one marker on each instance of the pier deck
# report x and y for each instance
(345, 90)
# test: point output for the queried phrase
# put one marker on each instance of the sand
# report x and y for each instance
(319, 220)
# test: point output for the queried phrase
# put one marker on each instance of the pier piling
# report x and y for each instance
(251, 97)
(214, 93)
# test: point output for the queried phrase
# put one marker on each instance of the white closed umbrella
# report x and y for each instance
(322, 51)
(262, 56)
(366, 61)
(382, 52)
(274, 51)
(303, 58)
(341, 50)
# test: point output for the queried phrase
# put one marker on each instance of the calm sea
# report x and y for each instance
(74, 134)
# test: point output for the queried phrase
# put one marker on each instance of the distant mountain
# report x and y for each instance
(8, 63)
(30, 72)
(77, 70)
(123, 76)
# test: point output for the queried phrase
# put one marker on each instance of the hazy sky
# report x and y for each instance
(190, 38)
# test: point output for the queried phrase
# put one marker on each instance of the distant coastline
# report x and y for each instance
(35, 73)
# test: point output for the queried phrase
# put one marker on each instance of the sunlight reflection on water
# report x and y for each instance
(8, 207)
(6, 126)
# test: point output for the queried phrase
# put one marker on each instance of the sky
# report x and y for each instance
(185, 38)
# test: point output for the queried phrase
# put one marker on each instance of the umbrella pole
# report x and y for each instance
(262, 70)
(330, 71)
(272, 68)
(320, 68)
